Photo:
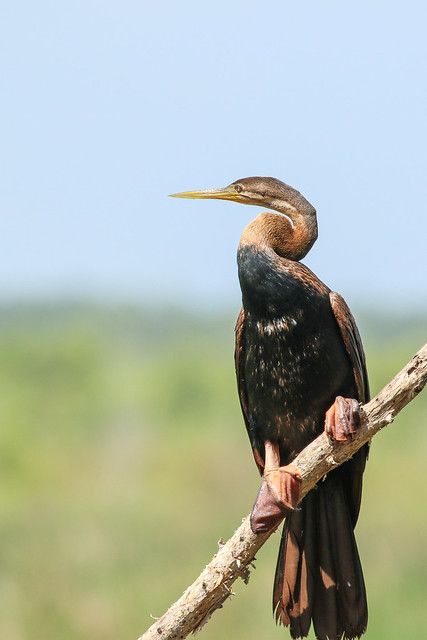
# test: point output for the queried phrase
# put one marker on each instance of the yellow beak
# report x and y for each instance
(227, 193)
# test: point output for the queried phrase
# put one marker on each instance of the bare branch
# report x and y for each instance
(232, 561)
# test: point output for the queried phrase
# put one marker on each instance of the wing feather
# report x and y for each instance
(239, 360)
(353, 343)
(352, 471)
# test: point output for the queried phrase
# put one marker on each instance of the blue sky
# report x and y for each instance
(107, 107)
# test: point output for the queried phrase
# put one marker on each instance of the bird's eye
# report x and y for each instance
(238, 188)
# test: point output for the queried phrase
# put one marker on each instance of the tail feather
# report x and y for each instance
(318, 576)
(348, 570)
(307, 580)
(291, 570)
(326, 613)
(295, 579)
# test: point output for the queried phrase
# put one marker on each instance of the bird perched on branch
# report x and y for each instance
(300, 369)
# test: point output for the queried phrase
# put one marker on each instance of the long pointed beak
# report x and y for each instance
(227, 193)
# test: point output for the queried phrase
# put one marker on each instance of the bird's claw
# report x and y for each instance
(278, 496)
(342, 419)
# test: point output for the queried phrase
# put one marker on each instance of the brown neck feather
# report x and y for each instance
(275, 231)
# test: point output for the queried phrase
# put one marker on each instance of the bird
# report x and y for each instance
(300, 369)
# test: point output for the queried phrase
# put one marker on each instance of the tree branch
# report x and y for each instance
(232, 561)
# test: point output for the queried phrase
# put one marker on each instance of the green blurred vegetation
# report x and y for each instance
(124, 459)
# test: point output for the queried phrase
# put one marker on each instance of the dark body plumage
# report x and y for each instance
(295, 362)
(292, 362)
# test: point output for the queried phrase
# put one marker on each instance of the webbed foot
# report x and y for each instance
(279, 492)
(342, 419)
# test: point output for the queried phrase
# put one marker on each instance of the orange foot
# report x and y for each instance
(342, 419)
(279, 493)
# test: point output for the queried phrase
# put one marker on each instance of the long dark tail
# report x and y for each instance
(319, 576)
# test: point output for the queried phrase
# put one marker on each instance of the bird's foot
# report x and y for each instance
(342, 419)
(279, 492)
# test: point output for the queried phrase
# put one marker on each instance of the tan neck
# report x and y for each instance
(275, 231)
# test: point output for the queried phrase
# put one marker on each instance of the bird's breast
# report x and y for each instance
(295, 360)
(274, 287)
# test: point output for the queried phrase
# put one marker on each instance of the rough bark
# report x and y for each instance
(233, 560)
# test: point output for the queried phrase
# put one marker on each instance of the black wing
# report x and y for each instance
(352, 471)
(353, 343)
(239, 360)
